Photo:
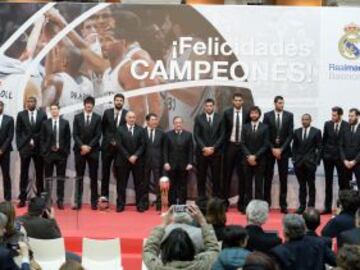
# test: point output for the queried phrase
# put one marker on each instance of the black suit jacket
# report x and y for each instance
(128, 144)
(327, 240)
(39, 227)
(87, 135)
(206, 135)
(307, 152)
(255, 143)
(351, 237)
(25, 132)
(109, 127)
(350, 145)
(154, 150)
(286, 131)
(6, 133)
(338, 224)
(7, 261)
(228, 120)
(260, 240)
(64, 137)
(331, 141)
(178, 151)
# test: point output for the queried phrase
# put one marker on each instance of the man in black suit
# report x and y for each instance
(154, 161)
(178, 159)
(306, 156)
(281, 125)
(6, 137)
(87, 134)
(111, 120)
(208, 135)
(55, 148)
(312, 221)
(255, 142)
(350, 149)
(351, 237)
(257, 213)
(28, 129)
(333, 131)
(130, 141)
(233, 120)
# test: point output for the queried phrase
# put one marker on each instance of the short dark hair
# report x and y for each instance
(89, 99)
(338, 110)
(348, 257)
(312, 218)
(255, 108)
(237, 95)
(355, 110)
(149, 115)
(119, 95)
(37, 206)
(209, 100)
(277, 98)
(177, 117)
(32, 97)
(202, 203)
(216, 211)
(349, 200)
(259, 261)
(234, 236)
(71, 265)
(55, 104)
(307, 114)
(177, 247)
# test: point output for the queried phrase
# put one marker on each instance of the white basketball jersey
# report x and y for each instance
(9, 84)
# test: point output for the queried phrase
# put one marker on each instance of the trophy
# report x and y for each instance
(164, 183)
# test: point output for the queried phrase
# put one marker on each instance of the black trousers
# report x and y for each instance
(5, 168)
(25, 160)
(107, 157)
(283, 165)
(254, 173)
(51, 162)
(157, 173)
(123, 173)
(306, 178)
(233, 160)
(348, 174)
(203, 163)
(329, 165)
(178, 186)
(80, 166)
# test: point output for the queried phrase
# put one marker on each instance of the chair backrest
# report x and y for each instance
(101, 254)
(143, 266)
(49, 254)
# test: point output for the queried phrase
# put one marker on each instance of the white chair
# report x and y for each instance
(101, 254)
(143, 266)
(50, 254)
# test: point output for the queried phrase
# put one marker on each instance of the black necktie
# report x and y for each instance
(88, 120)
(254, 128)
(117, 119)
(336, 129)
(130, 130)
(54, 133)
(209, 120)
(151, 135)
(278, 123)
(352, 129)
(305, 135)
(237, 127)
(32, 119)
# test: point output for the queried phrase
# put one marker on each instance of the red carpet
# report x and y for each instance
(131, 227)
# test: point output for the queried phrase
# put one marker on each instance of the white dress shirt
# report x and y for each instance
(211, 116)
(149, 133)
(119, 118)
(130, 129)
(233, 132)
(86, 115)
(1, 119)
(307, 132)
(34, 113)
(256, 125)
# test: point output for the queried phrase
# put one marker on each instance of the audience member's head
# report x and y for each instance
(348, 257)
(36, 206)
(234, 236)
(294, 227)
(312, 219)
(3, 223)
(202, 203)
(349, 201)
(259, 261)
(71, 265)
(216, 212)
(257, 212)
(8, 209)
(177, 247)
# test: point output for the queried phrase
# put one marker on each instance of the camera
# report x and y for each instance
(180, 208)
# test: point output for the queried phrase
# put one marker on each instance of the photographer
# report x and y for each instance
(177, 251)
(6, 254)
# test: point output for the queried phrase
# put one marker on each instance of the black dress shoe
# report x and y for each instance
(21, 204)
(300, 211)
(94, 207)
(326, 212)
(140, 209)
(284, 211)
(77, 206)
(120, 208)
(241, 209)
(60, 205)
(158, 206)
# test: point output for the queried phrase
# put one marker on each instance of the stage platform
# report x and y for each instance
(130, 226)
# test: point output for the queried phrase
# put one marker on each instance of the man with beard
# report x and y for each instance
(112, 119)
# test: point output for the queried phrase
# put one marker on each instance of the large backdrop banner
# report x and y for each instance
(168, 59)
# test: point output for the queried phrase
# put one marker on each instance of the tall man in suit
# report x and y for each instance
(28, 129)
(306, 156)
(333, 131)
(281, 125)
(111, 120)
(87, 134)
(233, 120)
(154, 161)
(130, 141)
(55, 148)
(350, 148)
(209, 135)
(6, 137)
(178, 159)
(255, 142)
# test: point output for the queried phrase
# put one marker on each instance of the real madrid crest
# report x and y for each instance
(349, 44)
